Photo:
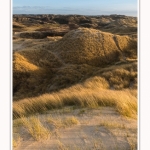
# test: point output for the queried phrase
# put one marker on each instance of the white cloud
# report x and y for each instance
(67, 10)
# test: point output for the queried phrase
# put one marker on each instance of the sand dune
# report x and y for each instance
(73, 58)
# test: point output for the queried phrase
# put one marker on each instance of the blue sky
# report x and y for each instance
(84, 7)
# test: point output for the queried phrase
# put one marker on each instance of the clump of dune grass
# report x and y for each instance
(35, 128)
(69, 121)
(96, 82)
(56, 122)
(112, 124)
(55, 38)
(121, 78)
(124, 101)
(61, 146)
(81, 95)
(133, 144)
(16, 141)
(64, 122)
(17, 122)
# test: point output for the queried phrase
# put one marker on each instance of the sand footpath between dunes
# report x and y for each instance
(97, 129)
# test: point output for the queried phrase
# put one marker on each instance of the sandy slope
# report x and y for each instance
(100, 129)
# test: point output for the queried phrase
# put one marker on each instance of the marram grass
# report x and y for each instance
(124, 101)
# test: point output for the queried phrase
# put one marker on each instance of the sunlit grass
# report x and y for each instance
(64, 122)
(16, 141)
(112, 124)
(35, 128)
(124, 101)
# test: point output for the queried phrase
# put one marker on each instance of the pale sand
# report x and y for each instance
(98, 129)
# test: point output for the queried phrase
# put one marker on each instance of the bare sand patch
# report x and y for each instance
(102, 128)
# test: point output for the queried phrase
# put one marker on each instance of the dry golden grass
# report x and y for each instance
(39, 58)
(85, 68)
(63, 123)
(30, 83)
(133, 144)
(70, 121)
(91, 46)
(16, 141)
(17, 122)
(112, 124)
(61, 146)
(121, 78)
(18, 27)
(71, 60)
(21, 64)
(55, 38)
(88, 46)
(32, 72)
(96, 81)
(35, 128)
(81, 95)
(34, 26)
(72, 67)
(58, 122)
(38, 27)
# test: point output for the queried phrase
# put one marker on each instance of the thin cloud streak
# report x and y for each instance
(67, 10)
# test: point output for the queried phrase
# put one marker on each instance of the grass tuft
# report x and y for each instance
(35, 128)
(124, 101)
(63, 123)
(16, 141)
(112, 125)
(70, 121)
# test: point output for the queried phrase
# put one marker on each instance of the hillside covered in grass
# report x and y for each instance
(86, 67)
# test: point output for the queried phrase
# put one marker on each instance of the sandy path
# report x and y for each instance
(98, 129)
